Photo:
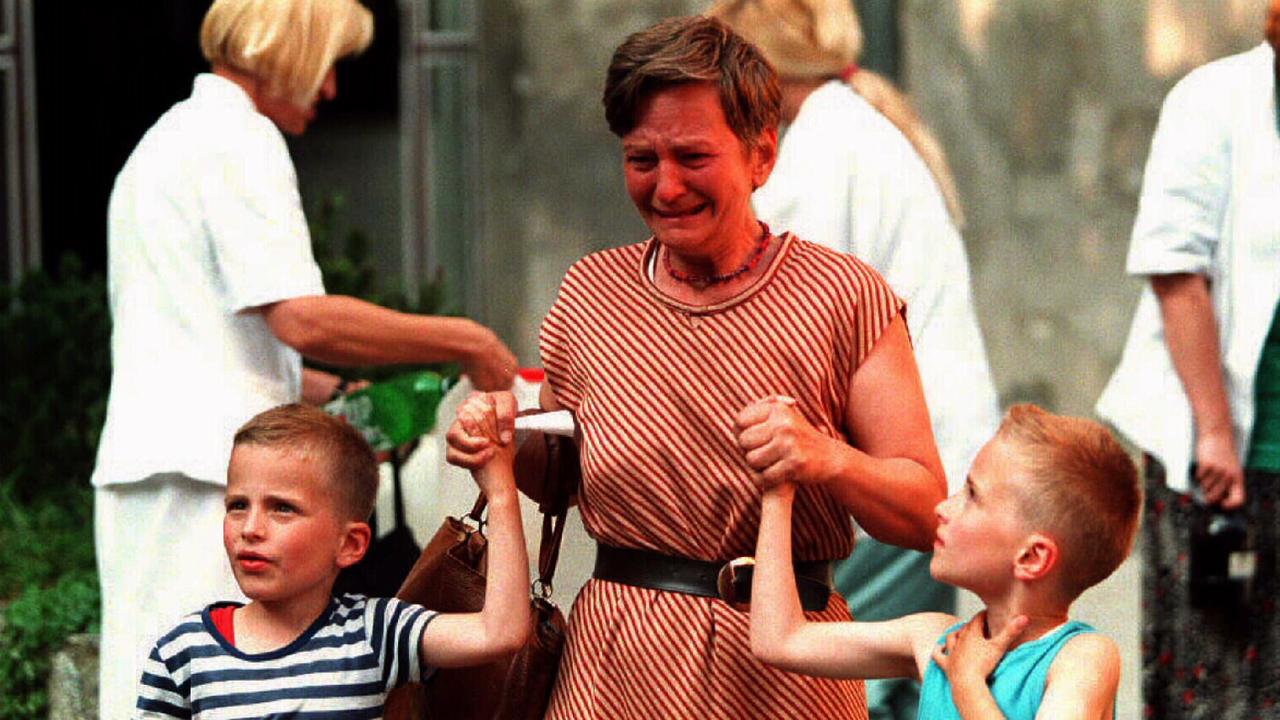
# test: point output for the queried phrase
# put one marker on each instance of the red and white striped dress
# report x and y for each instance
(655, 386)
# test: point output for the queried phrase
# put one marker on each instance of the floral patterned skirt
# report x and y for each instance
(1221, 662)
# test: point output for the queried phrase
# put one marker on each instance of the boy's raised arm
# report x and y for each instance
(502, 626)
(781, 636)
(1083, 680)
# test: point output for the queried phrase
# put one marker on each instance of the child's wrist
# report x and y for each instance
(501, 494)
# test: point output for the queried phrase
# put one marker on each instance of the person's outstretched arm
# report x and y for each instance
(342, 330)
(781, 636)
(503, 625)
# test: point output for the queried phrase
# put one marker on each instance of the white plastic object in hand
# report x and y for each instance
(556, 422)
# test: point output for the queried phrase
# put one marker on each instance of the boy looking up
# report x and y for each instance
(1049, 509)
(300, 488)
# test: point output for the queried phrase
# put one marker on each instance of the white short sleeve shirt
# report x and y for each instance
(205, 224)
(1210, 205)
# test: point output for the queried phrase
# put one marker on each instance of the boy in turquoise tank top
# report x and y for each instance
(1049, 509)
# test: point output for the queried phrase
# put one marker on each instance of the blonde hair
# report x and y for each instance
(1081, 487)
(816, 39)
(289, 45)
(801, 38)
(351, 470)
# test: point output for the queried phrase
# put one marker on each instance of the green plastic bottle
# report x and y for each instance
(393, 412)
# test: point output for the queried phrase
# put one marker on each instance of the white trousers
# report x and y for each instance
(160, 556)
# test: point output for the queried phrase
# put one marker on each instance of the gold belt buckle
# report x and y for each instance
(733, 582)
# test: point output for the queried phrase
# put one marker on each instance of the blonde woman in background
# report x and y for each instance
(215, 297)
(850, 179)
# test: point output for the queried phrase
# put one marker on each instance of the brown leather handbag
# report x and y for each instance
(450, 577)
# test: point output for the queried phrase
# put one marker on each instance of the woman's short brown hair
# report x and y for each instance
(345, 457)
(289, 45)
(690, 50)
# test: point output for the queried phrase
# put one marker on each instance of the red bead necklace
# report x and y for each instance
(691, 279)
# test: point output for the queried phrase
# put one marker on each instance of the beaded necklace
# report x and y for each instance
(691, 279)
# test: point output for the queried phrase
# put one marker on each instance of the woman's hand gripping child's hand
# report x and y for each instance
(482, 440)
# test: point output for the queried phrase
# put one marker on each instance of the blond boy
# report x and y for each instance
(1049, 509)
(300, 488)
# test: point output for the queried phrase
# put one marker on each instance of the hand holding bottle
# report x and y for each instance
(491, 365)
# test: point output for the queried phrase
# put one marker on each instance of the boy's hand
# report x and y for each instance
(779, 444)
(968, 656)
(484, 432)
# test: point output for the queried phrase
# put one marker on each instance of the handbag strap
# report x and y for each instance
(563, 472)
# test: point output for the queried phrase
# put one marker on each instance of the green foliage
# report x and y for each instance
(44, 538)
(55, 369)
(35, 623)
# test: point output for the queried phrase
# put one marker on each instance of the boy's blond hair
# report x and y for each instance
(289, 45)
(1081, 487)
(349, 465)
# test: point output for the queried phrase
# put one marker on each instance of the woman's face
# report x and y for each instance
(294, 119)
(689, 175)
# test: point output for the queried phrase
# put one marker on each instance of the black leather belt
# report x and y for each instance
(645, 568)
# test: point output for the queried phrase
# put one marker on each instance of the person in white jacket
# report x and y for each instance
(1198, 385)
(848, 178)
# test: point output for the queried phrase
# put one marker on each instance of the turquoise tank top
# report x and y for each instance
(1017, 684)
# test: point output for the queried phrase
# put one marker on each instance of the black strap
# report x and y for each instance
(648, 569)
(561, 486)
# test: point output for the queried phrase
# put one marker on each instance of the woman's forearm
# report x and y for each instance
(893, 499)
(348, 331)
(1191, 335)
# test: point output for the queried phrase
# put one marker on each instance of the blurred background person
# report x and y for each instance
(850, 179)
(1198, 386)
(215, 298)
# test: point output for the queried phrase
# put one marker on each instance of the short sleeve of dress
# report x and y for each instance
(260, 243)
(875, 307)
(395, 630)
(556, 340)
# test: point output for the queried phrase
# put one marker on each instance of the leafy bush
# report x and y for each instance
(40, 619)
(55, 369)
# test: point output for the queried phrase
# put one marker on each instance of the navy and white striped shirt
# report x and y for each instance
(341, 667)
